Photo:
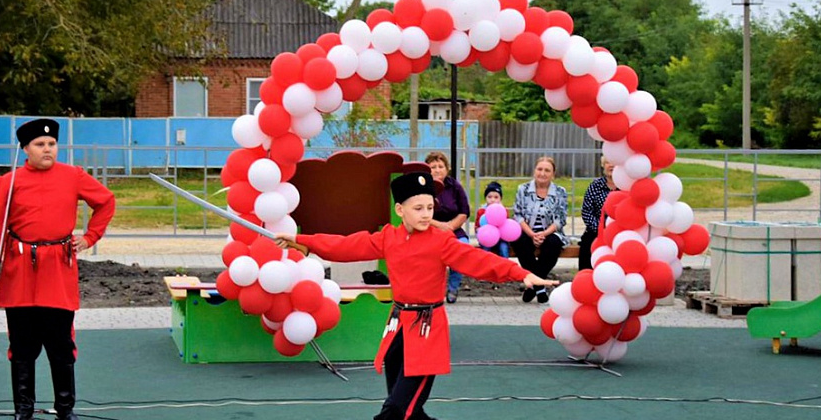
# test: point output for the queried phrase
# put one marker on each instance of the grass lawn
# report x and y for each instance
(795, 161)
(699, 192)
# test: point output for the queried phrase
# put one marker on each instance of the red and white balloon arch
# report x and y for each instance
(636, 256)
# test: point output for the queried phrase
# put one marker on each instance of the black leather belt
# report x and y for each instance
(424, 316)
(66, 243)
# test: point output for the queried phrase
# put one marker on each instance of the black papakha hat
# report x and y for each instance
(37, 128)
(493, 186)
(411, 184)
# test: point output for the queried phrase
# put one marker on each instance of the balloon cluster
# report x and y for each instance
(494, 226)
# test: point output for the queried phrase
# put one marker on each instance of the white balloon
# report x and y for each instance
(556, 41)
(372, 65)
(311, 269)
(580, 348)
(557, 98)
(641, 106)
(299, 327)
(464, 14)
(564, 331)
(608, 277)
(270, 207)
(258, 108)
(276, 277)
(678, 269)
(600, 252)
(243, 271)
(634, 284)
(617, 152)
(593, 132)
(612, 97)
(484, 35)
(436, 4)
(435, 48)
(355, 34)
(307, 126)
(456, 48)
(613, 350)
(622, 179)
(415, 42)
(276, 326)
(670, 187)
(644, 325)
(330, 99)
(562, 302)
(662, 249)
(613, 308)
(345, 59)
(246, 132)
(521, 72)
(264, 175)
(290, 193)
(284, 225)
(299, 99)
(487, 9)
(638, 166)
(386, 37)
(682, 218)
(579, 58)
(627, 235)
(331, 290)
(659, 214)
(511, 24)
(605, 67)
(638, 301)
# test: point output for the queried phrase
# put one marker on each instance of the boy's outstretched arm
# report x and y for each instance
(360, 246)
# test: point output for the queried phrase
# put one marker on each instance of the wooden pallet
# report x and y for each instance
(723, 307)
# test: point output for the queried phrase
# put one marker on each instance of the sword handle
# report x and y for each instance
(299, 247)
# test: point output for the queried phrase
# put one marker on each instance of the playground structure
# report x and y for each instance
(785, 319)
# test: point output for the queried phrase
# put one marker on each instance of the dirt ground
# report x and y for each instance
(111, 285)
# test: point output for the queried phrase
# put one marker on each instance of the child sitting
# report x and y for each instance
(493, 195)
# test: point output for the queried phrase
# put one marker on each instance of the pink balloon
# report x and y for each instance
(510, 231)
(496, 214)
(488, 235)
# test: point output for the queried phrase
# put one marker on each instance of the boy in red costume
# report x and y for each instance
(416, 344)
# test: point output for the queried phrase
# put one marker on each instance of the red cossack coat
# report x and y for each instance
(417, 264)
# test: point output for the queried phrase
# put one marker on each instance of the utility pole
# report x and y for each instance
(746, 140)
(414, 117)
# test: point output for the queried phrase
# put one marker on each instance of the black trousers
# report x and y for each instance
(406, 394)
(548, 254)
(584, 249)
(32, 328)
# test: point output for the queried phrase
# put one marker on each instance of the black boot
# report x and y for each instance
(62, 376)
(22, 386)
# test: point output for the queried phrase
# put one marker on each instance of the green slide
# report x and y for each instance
(791, 320)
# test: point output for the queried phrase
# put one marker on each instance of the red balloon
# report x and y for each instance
(287, 150)
(612, 201)
(596, 243)
(582, 90)
(647, 309)
(631, 330)
(583, 289)
(585, 116)
(285, 347)
(280, 307)
(274, 120)
(472, 57)
(263, 250)
(548, 318)
(226, 287)
(254, 299)
(561, 19)
(613, 127)
(328, 315)
(605, 258)
(306, 296)
(233, 250)
(437, 24)
(626, 76)
(632, 256)
(610, 232)
(226, 177)
(238, 162)
(696, 239)
(497, 58)
(353, 88)
(536, 21)
(663, 123)
(295, 255)
(526, 48)
(287, 69)
(520, 5)
(240, 233)
(241, 197)
(308, 52)
(418, 65)
(599, 339)
(287, 171)
(550, 74)
(600, 49)
(587, 321)
(644, 192)
(370, 84)
(270, 92)
(658, 276)
(662, 156)
(408, 12)
(319, 74)
(630, 215)
(378, 16)
(328, 41)
(399, 67)
(679, 242)
(643, 137)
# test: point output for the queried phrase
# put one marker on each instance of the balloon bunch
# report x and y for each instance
(494, 226)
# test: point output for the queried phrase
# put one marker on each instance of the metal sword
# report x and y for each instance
(8, 205)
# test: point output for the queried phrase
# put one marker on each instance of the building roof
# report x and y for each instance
(265, 28)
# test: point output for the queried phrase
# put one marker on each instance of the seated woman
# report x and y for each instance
(591, 210)
(541, 209)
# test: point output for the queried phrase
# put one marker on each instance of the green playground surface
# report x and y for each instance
(669, 373)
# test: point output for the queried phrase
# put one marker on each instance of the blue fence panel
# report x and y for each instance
(201, 132)
(148, 132)
(99, 132)
(10, 123)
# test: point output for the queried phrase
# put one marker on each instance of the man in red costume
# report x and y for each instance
(416, 343)
(39, 285)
